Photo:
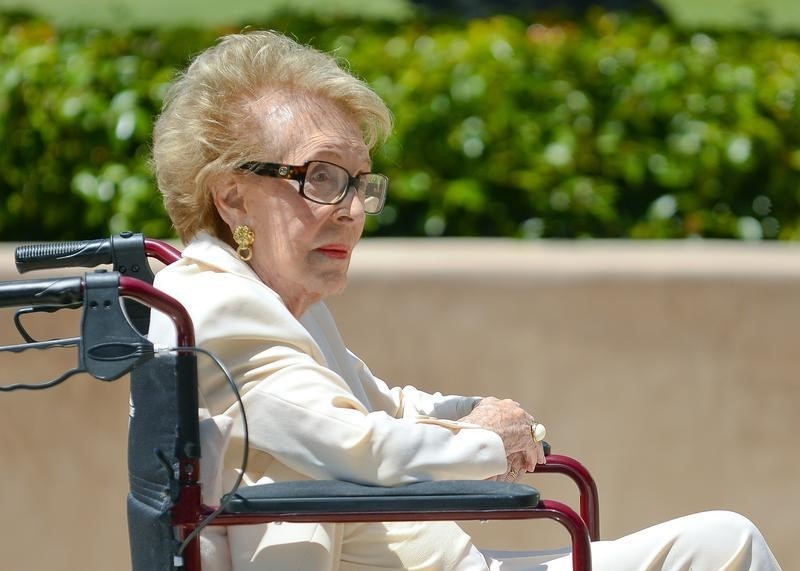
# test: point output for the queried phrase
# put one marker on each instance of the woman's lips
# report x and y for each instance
(335, 251)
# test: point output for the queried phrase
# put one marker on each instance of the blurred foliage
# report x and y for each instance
(609, 126)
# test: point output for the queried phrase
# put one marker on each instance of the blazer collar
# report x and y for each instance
(210, 251)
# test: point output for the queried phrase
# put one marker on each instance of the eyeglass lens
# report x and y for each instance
(327, 183)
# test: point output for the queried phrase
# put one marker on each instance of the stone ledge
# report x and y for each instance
(480, 257)
(595, 258)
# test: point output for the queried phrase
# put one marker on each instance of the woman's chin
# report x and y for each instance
(331, 283)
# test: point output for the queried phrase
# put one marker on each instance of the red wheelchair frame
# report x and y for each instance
(270, 502)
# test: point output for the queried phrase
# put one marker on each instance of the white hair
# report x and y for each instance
(203, 127)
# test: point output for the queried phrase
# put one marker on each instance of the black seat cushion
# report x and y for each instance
(331, 496)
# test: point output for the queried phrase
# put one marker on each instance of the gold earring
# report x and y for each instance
(244, 237)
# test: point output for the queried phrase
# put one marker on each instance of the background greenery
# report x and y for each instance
(777, 15)
(604, 125)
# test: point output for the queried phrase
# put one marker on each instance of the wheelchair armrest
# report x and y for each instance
(321, 496)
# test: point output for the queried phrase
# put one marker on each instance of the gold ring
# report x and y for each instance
(512, 474)
(538, 432)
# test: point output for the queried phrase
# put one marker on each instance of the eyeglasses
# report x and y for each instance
(326, 183)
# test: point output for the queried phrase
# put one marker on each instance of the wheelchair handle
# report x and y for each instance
(90, 253)
(45, 291)
(70, 291)
(85, 253)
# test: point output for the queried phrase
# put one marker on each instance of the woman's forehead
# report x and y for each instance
(305, 125)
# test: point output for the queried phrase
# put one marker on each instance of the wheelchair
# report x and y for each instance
(165, 508)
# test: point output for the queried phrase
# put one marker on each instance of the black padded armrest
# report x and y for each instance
(316, 496)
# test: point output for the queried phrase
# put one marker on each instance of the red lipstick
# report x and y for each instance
(336, 251)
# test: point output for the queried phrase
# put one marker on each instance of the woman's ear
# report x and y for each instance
(228, 199)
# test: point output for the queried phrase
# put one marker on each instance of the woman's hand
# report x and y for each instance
(516, 468)
(510, 421)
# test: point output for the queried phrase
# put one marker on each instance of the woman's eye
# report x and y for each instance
(321, 174)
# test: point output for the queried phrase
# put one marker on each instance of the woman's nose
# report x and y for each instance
(351, 207)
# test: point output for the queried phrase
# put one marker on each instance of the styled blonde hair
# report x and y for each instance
(203, 126)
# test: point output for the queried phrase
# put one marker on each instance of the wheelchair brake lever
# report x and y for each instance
(41, 386)
(67, 342)
(41, 345)
(44, 308)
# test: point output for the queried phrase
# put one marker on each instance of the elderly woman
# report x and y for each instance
(262, 153)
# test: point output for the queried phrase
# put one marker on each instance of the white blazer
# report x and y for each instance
(315, 412)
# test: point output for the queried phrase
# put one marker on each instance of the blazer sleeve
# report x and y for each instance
(406, 402)
(410, 402)
(304, 414)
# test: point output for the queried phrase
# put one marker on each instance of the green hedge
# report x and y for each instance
(612, 126)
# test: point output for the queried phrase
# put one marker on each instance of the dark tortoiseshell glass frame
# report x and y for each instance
(298, 173)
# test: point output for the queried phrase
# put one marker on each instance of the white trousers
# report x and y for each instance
(708, 541)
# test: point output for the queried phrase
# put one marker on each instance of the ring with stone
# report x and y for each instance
(538, 432)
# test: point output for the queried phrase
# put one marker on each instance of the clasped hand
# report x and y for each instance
(510, 421)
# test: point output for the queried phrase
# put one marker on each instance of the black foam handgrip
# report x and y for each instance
(86, 253)
(46, 291)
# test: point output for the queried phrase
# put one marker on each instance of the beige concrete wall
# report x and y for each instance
(668, 368)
